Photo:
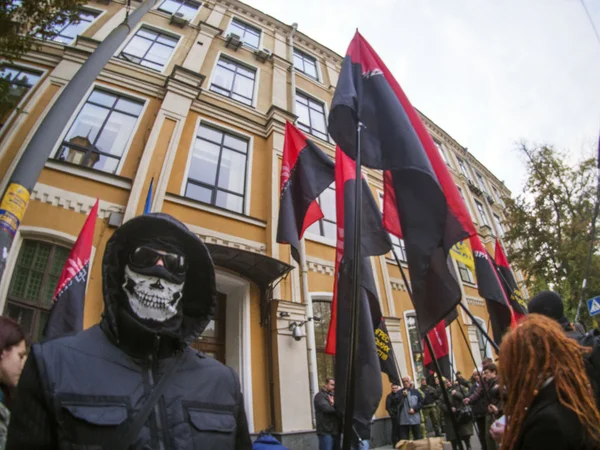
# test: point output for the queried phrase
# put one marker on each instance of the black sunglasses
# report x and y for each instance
(144, 257)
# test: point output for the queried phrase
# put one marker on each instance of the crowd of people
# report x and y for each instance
(97, 388)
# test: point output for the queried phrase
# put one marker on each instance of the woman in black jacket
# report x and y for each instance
(549, 403)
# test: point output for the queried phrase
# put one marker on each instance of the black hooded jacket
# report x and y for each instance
(81, 392)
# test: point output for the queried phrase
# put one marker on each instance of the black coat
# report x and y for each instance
(551, 425)
(327, 419)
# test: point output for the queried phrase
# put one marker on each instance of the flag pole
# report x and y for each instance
(310, 328)
(355, 310)
(480, 328)
(592, 236)
(436, 364)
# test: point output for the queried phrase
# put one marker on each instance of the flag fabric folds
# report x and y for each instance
(441, 350)
(509, 283)
(66, 314)
(148, 204)
(490, 288)
(374, 241)
(306, 171)
(429, 210)
(387, 358)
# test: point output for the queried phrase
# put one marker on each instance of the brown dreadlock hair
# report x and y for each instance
(534, 351)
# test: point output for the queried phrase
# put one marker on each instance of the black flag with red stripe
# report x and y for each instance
(432, 215)
(374, 240)
(509, 283)
(306, 171)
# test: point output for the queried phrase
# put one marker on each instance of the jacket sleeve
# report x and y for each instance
(323, 405)
(419, 401)
(32, 425)
(388, 404)
(477, 394)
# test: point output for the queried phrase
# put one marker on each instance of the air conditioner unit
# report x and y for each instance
(179, 20)
(263, 54)
(234, 41)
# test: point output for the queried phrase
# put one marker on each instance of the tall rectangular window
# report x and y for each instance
(187, 8)
(484, 218)
(326, 226)
(465, 273)
(325, 362)
(34, 279)
(248, 34)
(416, 349)
(442, 152)
(463, 168)
(311, 116)
(497, 195)
(306, 64)
(481, 182)
(462, 195)
(218, 169)
(67, 33)
(234, 80)
(101, 132)
(499, 225)
(20, 81)
(150, 48)
(397, 244)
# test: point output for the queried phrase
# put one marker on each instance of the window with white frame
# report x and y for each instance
(416, 348)
(311, 116)
(484, 218)
(187, 8)
(481, 182)
(465, 273)
(485, 349)
(218, 169)
(462, 195)
(101, 132)
(463, 168)
(248, 34)
(397, 244)
(326, 227)
(32, 285)
(442, 152)
(150, 48)
(499, 225)
(234, 80)
(20, 81)
(306, 64)
(498, 196)
(67, 33)
(325, 362)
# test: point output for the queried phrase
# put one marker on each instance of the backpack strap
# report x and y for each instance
(128, 436)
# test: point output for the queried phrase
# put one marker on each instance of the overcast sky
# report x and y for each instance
(490, 73)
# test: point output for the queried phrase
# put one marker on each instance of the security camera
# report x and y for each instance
(297, 333)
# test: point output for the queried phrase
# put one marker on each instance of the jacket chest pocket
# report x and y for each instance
(212, 428)
(90, 424)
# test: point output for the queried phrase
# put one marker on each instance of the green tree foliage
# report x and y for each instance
(550, 225)
(21, 22)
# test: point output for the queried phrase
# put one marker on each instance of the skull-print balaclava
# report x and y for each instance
(153, 291)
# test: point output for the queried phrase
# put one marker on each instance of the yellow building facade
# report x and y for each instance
(195, 101)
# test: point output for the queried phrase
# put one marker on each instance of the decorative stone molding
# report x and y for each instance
(475, 301)
(184, 82)
(398, 284)
(227, 240)
(321, 266)
(73, 201)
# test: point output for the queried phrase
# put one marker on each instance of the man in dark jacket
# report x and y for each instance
(328, 423)
(392, 405)
(489, 394)
(430, 409)
(84, 391)
(479, 408)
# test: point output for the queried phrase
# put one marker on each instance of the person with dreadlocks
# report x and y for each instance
(549, 403)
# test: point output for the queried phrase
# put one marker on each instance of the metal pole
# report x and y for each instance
(356, 286)
(28, 169)
(310, 329)
(591, 251)
(436, 364)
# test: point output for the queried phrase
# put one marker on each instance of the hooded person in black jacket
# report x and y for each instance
(84, 391)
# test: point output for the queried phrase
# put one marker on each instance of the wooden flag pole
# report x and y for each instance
(355, 309)
(436, 364)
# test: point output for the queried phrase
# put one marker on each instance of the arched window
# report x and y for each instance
(325, 362)
(33, 283)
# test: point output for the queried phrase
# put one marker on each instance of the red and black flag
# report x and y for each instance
(387, 358)
(374, 240)
(66, 314)
(431, 212)
(509, 283)
(441, 350)
(306, 171)
(490, 288)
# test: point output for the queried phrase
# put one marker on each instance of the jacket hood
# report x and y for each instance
(199, 292)
(549, 304)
